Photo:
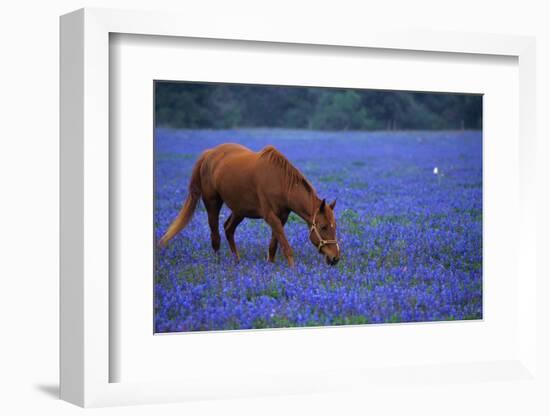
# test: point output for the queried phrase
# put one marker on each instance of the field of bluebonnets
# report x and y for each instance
(409, 217)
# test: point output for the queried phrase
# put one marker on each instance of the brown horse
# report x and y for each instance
(260, 184)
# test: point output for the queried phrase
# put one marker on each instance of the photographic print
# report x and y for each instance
(290, 206)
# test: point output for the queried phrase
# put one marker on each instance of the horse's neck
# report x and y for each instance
(303, 203)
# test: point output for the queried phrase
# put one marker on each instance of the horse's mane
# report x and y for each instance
(291, 174)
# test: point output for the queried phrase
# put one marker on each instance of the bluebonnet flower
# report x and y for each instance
(411, 238)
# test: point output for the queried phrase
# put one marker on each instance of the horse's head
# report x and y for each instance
(323, 232)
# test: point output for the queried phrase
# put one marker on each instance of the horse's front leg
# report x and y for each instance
(273, 243)
(278, 231)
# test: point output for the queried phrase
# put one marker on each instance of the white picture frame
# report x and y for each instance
(85, 220)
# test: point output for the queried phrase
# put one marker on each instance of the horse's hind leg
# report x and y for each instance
(213, 206)
(230, 226)
(274, 242)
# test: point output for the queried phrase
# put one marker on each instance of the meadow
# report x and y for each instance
(409, 216)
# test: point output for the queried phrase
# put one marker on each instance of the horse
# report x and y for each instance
(256, 185)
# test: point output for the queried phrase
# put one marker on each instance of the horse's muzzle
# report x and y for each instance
(332, 261)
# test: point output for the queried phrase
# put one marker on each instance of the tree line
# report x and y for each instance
(226, 106)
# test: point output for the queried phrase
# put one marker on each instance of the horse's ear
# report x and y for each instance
(322, 207)
(333, 204)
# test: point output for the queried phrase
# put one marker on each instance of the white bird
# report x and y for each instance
(436, 171)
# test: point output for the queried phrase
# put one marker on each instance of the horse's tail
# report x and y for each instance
(186, 212)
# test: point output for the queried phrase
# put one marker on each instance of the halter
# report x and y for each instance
(322, 242)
